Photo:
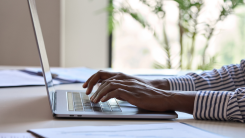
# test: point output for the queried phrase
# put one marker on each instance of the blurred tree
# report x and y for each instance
(188, 25)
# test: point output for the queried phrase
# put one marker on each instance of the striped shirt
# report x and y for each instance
(221, 92)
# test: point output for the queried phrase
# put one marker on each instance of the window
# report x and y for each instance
(159, 34)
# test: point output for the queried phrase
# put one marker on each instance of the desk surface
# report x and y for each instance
(23, 108)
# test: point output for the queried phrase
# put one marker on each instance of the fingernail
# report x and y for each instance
(102, 99)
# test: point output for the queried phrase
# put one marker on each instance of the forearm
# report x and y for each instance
(180, 100)
(211, 105)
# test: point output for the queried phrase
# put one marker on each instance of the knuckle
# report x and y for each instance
(131, 83)
(105, 82)
(108, 81)
(121, 74)
(100, 72)
(119, 89)
(132, 80)
(126, 87)
(111, 84)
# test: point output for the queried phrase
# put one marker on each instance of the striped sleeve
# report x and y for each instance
(221, 93)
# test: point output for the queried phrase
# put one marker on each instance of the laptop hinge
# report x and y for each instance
(53, 101)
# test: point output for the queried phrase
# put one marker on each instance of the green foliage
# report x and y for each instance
(210, 65)
(189, 12)
(233, 48)
(157, 65)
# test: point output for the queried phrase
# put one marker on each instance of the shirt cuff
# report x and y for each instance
(181, 83)
(235, 107)
(211, 105)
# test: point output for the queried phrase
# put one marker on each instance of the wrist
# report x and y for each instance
(183, 101)
(162, 84)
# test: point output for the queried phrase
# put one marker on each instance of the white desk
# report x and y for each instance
(23, 108)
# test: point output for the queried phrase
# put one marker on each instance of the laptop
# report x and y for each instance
(75, 103)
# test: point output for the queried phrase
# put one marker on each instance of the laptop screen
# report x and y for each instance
(42, 52)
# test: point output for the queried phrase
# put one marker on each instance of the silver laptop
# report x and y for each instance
(76, 104)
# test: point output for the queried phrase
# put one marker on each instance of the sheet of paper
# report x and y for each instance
(16, 135)
(10, 78)
(69, 74)
(164, 130)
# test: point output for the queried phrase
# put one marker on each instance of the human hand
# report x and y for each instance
(103, 75)
(100, 76)
(136, 93)
(149, 95)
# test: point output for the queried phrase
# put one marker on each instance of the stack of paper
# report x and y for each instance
(10, 78)
(68, 74)
(16, 135)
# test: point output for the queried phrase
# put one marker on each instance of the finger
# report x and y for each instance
(107, 82)
(120, 94)
(108, 88)
(96, 78)
(85, 85)
(103, 84)
(120, 99)
(90, 85)
(119, 76)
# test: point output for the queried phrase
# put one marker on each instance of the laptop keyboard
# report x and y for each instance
(81, 102)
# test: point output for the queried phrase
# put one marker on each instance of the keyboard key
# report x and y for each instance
(78, 102)
(87, 104)
(106, 109)
(116, 110)
(86, 101)
(95, 104)
(88, 110)
(115, 106)
(70, 101)
(76, 94)
(77, 99)
(79, 109)
(97, 109)
(85, 97)
(78, 106)
(82, 102)
(84, 106)
(112, 101)
(104, 104)
(87, 107)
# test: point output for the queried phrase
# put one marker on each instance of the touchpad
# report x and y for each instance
(127, 107)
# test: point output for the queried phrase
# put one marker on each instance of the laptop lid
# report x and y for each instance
(42, 53)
